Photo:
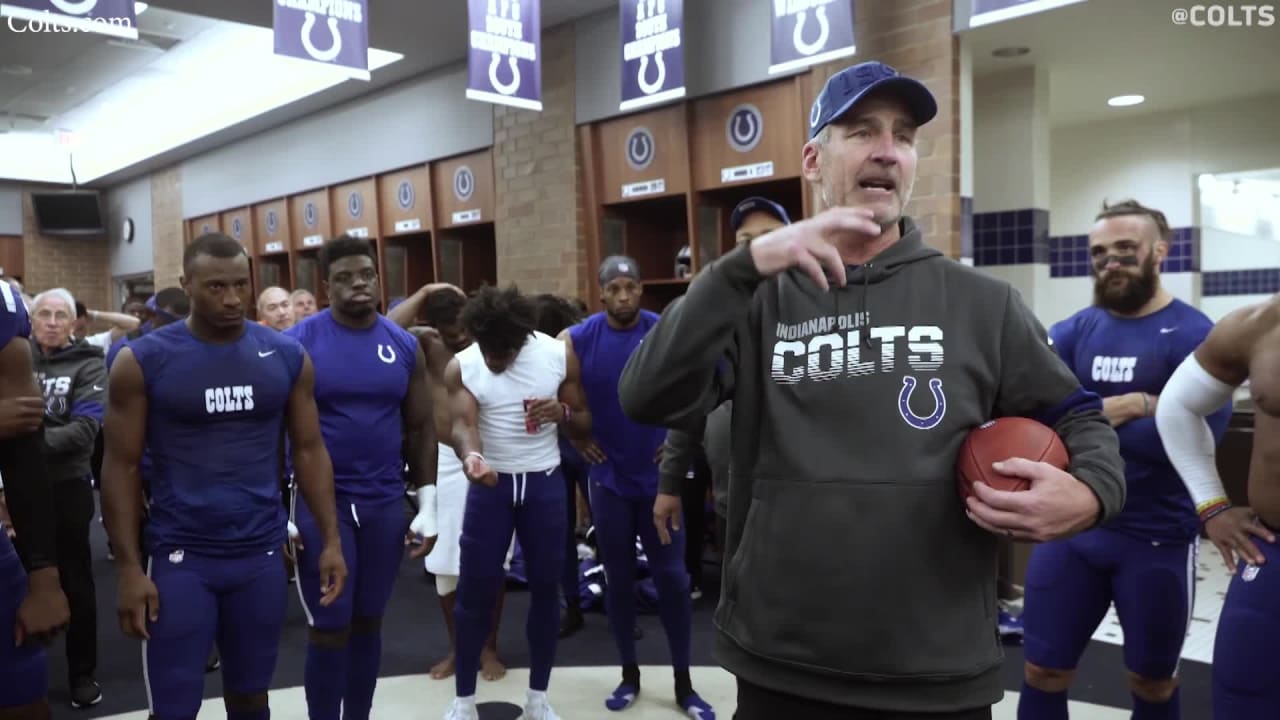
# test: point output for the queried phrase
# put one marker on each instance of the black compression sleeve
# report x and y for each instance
(30, 498)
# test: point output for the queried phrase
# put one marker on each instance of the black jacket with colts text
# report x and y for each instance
(852, 574)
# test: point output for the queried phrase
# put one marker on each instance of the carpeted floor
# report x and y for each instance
(414, 637)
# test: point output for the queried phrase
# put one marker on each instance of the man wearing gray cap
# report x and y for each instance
(623, 481)
(856, 583)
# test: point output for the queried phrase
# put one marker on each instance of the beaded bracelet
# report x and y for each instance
(1211, 509)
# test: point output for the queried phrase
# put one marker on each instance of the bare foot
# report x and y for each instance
(443, 669)
(491, 668)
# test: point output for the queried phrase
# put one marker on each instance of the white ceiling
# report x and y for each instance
(1098, 49)
(1093, 50)
(47, 76)
(43, 76)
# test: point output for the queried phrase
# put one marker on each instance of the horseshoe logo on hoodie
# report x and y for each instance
(939, 404)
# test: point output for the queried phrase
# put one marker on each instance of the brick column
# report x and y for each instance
(916, 38)
(539, 222)
(81, 265)
(167, 240)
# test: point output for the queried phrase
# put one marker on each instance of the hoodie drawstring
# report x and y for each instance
(866, 294)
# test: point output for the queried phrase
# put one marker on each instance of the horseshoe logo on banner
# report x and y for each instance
(71, 7)
(404, 194)
(355, 205)
(236, 228)
(335, 47)
(824, 31)
(649, 88)
(309, 214)
(504, 88)
(273, 222)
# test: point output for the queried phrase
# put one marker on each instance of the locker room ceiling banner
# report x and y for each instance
(807, 32)
(106, 17)
(652, 52)
(976, 13)
(504, 52)
(333, 32)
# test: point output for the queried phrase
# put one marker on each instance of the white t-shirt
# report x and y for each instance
(537, 372)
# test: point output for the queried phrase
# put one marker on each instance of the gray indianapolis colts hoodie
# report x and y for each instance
(852, 574)
(74, 382)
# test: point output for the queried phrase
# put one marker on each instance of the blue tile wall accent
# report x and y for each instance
(966, 226)
(1262, 281)
(1011, 237)
(1184, 251)
(1069, 254)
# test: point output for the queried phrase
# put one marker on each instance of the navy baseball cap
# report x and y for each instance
(847, 87)
(756, 204)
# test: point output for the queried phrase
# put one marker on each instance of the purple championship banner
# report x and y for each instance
(986, 12)
(652, 52)
(333, 32)
(504, 52)
(807, 32)
(105, 17)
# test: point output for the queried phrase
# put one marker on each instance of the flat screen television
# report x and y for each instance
(69, 212)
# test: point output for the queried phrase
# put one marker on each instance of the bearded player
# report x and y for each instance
(1245, 345)
(1123, 348)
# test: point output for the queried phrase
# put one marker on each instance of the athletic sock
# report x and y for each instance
(364, 655)
(1037, 704)
(627, 691)
(325, 681)
(1144, 710)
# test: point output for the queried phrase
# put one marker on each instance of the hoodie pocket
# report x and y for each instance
(873, 580)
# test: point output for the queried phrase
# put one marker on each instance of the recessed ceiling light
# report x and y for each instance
(15, 70)
(1010, 52)
(1125, 100)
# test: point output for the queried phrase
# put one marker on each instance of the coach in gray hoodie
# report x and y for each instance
(73, 377)
(856, 582)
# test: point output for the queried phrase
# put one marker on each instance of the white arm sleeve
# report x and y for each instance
(1190, 395)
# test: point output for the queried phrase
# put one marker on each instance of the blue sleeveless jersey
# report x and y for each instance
(14, 323)
(362, 379)
(1112, 356)
(14, 320)
(215, 421)
(602, 351)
